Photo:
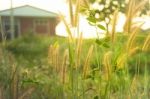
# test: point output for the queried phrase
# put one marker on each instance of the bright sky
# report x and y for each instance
(51, 5)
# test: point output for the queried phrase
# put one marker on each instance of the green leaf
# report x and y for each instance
(91, 23)
(106, 45)
(98, 42)
(89, 77)
(107, 39)
(91, 19)
(29, 81)
(95, 97)
(101, 27)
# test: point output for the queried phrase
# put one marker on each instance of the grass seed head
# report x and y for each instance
(87, 62)
(107, 64)
(146, 45)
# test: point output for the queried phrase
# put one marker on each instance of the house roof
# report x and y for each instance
(28, 11)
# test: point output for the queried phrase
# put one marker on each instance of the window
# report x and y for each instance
(41, 25)
(6, 22)
(41, 21)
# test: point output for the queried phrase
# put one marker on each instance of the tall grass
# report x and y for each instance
(115, 16)
(81, 69)
(10, 75)
(87, 62)
(134, 7)
(146, 44)
(115, 68)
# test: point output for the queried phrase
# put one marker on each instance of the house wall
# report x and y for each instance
(29, 25)
(38, 25)
(52, 25)
(26, 25)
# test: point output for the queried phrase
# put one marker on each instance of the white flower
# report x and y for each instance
(101, 7)
(107, 2)
(113, 8)
(97, 6)
(107, 20)
(115, 2)
(97, 15)
(108, 11)
(122, 5)
(107, 5)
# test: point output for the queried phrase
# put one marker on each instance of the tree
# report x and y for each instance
(104, 10)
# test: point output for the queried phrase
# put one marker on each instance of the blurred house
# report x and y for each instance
(28, 19)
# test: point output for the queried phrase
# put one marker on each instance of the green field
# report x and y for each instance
(38, 67)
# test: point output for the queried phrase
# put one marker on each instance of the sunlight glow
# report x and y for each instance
(88, 30)
(85, 28)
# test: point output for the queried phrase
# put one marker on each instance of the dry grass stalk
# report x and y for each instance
(115, 16)
(67, 28)
(127, 26)
(132, 38)
(139, 6)
(56, 58)
(27, 93)
(133, 9)
(86, 3)
(134, 85)
(64, 65)
(74, 19)
(1, 54)
(87, 62)
(14, 82)
(78, 50)
(50, 53)
(71, 12)
(121, 61)
(107, 64)
(76, 16)
(53, 56)
(1, 92)
(146, 44)
(133, 51)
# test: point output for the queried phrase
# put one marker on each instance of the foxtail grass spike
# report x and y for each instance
(87, 62)
(146, 44)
